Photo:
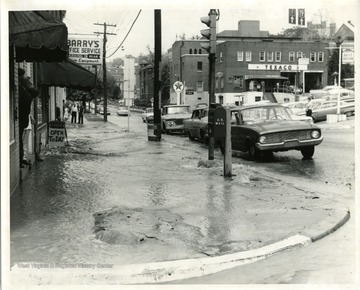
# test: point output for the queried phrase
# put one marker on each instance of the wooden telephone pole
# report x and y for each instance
(104, 63)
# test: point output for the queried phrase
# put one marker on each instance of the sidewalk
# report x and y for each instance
(177, 203)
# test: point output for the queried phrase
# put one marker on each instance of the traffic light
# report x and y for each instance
(209, 33)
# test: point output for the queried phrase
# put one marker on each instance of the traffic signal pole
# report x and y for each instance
(212, 57)
(210, 47)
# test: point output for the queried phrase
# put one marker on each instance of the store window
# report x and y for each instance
(278, 56)
(291, 56)
(199, 86)
(240, 56)
(270, 56)
(312, 56)
(262, 56)
(238, 81)
(248, 55)
(199, 66)
(320, 57)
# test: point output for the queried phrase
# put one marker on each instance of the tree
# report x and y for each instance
(301, 32)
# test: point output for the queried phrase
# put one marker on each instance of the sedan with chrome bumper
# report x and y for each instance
(264, 129)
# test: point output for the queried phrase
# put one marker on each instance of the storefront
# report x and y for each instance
(34, 36)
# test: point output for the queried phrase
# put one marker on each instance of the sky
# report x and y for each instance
(181, 17)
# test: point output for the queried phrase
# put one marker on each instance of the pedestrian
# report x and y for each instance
(81, 114)
(66, 113)
(27, 93)
(308, 107)
(74, 112)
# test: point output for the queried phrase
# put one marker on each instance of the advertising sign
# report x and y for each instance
(85, 51)
(57, 134)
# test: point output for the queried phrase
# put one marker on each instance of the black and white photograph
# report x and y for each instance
(188, 145)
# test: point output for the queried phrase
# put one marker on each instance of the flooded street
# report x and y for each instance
(125, 203)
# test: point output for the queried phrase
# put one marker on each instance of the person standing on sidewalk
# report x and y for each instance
(74, 112)
(81, 114)
(27, 93)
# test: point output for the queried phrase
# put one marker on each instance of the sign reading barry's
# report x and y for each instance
(87, 51)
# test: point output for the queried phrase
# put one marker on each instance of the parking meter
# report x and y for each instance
(212, 108)
(219, 123)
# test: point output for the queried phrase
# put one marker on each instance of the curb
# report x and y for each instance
(169, 271)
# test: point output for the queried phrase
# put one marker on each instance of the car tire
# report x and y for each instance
(348, 114)
(268, 155)
(308, 152)
(190, 137)
(203, 137)
(254, 153)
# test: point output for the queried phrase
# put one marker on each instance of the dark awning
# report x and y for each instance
(37, 36)
(65, 74)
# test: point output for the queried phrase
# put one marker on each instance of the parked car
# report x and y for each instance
(319, 93)
(294, 89)
(267, 128)
(300, 106)
(173, 116)
(123, 111)
(100, 110)
(321, 109)
(333, 94)
(197, 126)
(299, 118)
(149, 113)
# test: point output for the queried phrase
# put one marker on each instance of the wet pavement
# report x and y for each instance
(113, 197)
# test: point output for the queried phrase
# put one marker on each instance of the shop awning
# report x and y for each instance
(262, 77)
(65, 74)
(37, 36)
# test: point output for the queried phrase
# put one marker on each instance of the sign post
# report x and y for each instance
(178, 88)
(57, 134)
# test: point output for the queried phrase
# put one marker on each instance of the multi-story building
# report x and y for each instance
(190, 65)
(248, 59)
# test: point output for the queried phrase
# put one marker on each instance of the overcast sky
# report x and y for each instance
(183, 17)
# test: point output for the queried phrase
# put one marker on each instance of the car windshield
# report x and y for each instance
(263, 114)
(177, 110)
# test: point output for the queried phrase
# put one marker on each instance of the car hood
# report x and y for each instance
(280, 126)
(176, 116)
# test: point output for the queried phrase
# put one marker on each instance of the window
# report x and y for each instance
(199, 86)
(299, 54)
(320, 57)
(190, 51)
(270, 56)
(240, 56)
(248, 55)
(239, 81)
(199, 51)
(291, 56)
(12, 115)
(262, 56)
(312, 56)
(278, 56)
(199, 66)
(220, 56)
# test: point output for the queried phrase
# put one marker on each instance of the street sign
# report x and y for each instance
(85, 51)
(178, 86)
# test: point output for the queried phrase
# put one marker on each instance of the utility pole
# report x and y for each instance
(104, 63)
(157, 61)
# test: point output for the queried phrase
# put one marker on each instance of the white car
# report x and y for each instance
(319, 93)
(148, 114)
(299, 118)
(123, 111)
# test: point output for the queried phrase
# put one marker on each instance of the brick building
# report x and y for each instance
(247, 59)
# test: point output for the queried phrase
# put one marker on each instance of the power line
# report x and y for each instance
(126, 34)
